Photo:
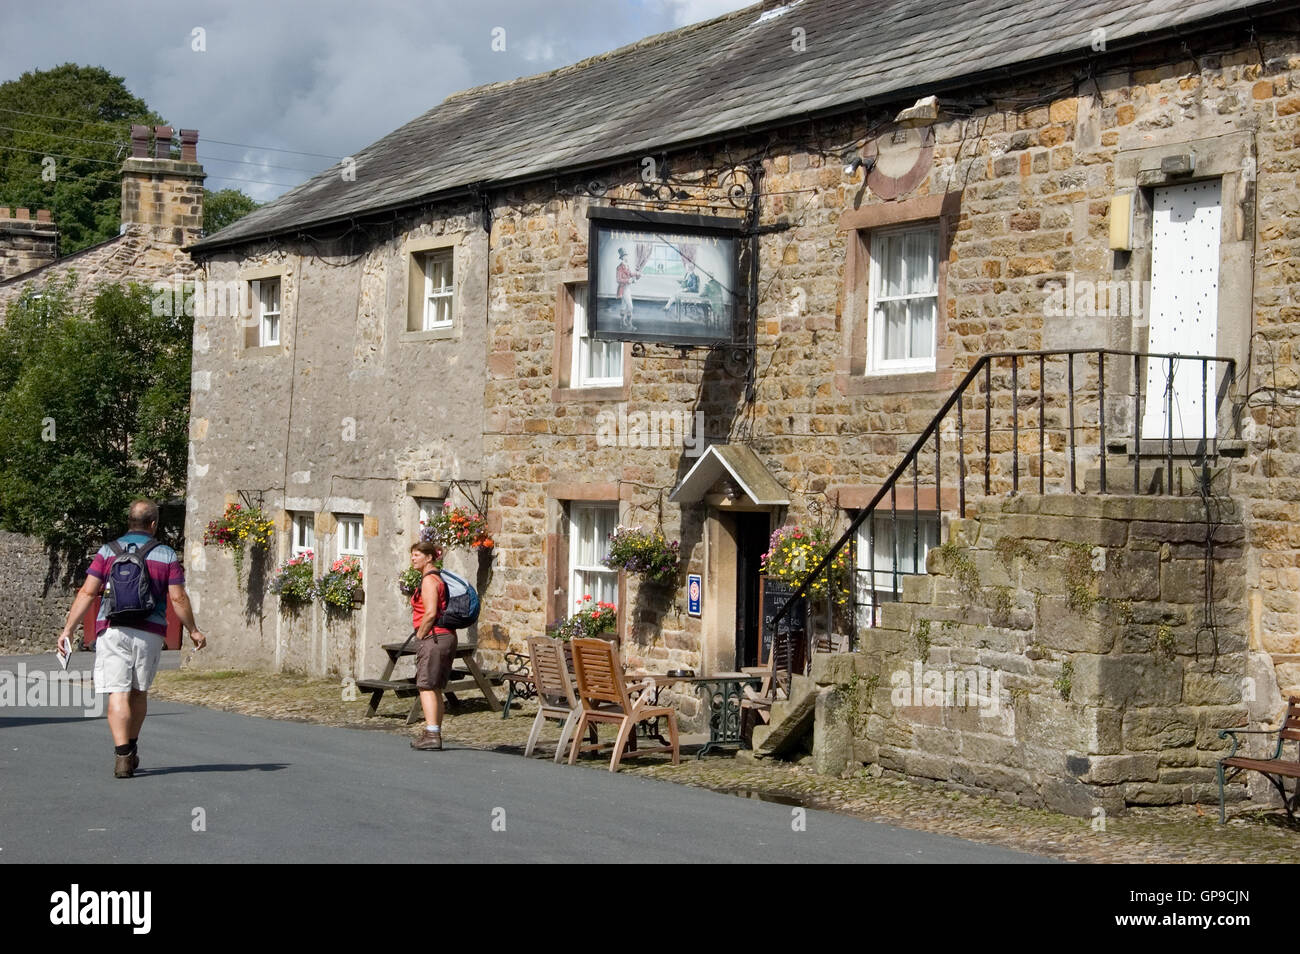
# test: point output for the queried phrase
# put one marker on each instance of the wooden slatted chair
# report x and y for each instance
(776, 684)
(1275, 768)
(556, 698)
(605, 696)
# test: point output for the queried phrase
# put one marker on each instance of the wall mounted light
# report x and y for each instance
(868, 163)
(1121, 222)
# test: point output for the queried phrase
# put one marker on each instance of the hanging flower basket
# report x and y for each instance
(457, 527)
(239, 526)
(793, 552)
(294, 582)
(644, 552)
(340, 588)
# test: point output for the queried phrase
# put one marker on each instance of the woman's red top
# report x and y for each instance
(417, 606)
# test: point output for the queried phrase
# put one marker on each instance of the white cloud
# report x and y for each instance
(695, 11)
(319, 76)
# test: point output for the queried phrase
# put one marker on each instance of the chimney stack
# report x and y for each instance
(26, 243)
(162, 194)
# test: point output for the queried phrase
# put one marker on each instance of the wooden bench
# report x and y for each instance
(465, 675)
(1274, 768)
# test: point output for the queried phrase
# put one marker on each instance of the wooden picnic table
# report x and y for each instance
(466, 674)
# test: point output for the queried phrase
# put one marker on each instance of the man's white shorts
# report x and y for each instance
(126, 658)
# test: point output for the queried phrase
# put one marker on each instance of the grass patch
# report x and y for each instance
(961, 567)
(1080, 577)
(1011, 549)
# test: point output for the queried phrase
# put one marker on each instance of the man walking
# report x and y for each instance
(128, 646)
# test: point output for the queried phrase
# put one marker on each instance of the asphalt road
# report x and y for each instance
(270, 791)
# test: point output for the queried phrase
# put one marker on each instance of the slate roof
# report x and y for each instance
(727, 75)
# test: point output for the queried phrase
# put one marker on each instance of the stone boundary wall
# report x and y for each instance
(1056, 655)
(34, 615)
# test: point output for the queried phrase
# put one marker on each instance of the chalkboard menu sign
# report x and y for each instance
(772, 595)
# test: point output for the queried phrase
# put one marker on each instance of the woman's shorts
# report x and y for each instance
(433, 658)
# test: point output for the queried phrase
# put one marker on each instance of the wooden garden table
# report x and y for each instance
(466, 674)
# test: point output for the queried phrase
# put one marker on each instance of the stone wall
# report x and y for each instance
(39, 594)
(1058, 654)
(134, 256)
(26, 243)
(352, 413)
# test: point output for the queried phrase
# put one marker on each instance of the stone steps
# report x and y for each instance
(1152, 477)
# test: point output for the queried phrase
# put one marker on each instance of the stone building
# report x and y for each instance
(162, 213)
(911, 189)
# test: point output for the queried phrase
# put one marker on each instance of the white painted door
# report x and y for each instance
(1184, 308)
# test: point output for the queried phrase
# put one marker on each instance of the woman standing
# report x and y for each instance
(435, 645)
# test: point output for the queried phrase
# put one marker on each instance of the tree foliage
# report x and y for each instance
(224, 208)
(84, 157)
(94, 410)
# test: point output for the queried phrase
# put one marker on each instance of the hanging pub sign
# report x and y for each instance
(656, 276)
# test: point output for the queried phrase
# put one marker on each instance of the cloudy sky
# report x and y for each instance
(324, 77)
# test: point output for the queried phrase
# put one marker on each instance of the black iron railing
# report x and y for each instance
(1070, 427)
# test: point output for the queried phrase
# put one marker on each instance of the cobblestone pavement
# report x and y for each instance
(1176, 834)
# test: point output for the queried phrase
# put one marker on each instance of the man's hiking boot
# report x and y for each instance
(428, 742)
(125, 765)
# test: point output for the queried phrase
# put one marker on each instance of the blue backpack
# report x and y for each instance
(462, 603)
(128, 592)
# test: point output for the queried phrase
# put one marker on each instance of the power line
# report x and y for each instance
(122, 145)
(41, 132)
(295, 152)
(84, 178)
(64, 119)
(283, 185)
(59, 155)
(260, 165)
(118, 126)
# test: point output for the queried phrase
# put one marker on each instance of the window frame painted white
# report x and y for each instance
(302, 526)
(348, 526)
(586, 349)
(268, 325)
(428, 508)
(877, 363)
(599, 516)
(444, 293)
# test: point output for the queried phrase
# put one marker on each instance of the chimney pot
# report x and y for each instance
(189, 145)
(162, 147)
(4, 211)
(24, 215)
(43, 215)
(139, 142)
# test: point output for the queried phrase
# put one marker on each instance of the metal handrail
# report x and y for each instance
(985, 365)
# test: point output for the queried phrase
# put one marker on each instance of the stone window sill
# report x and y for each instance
(433, 334)
(618, 392)
(859, 384)
(264, 351)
